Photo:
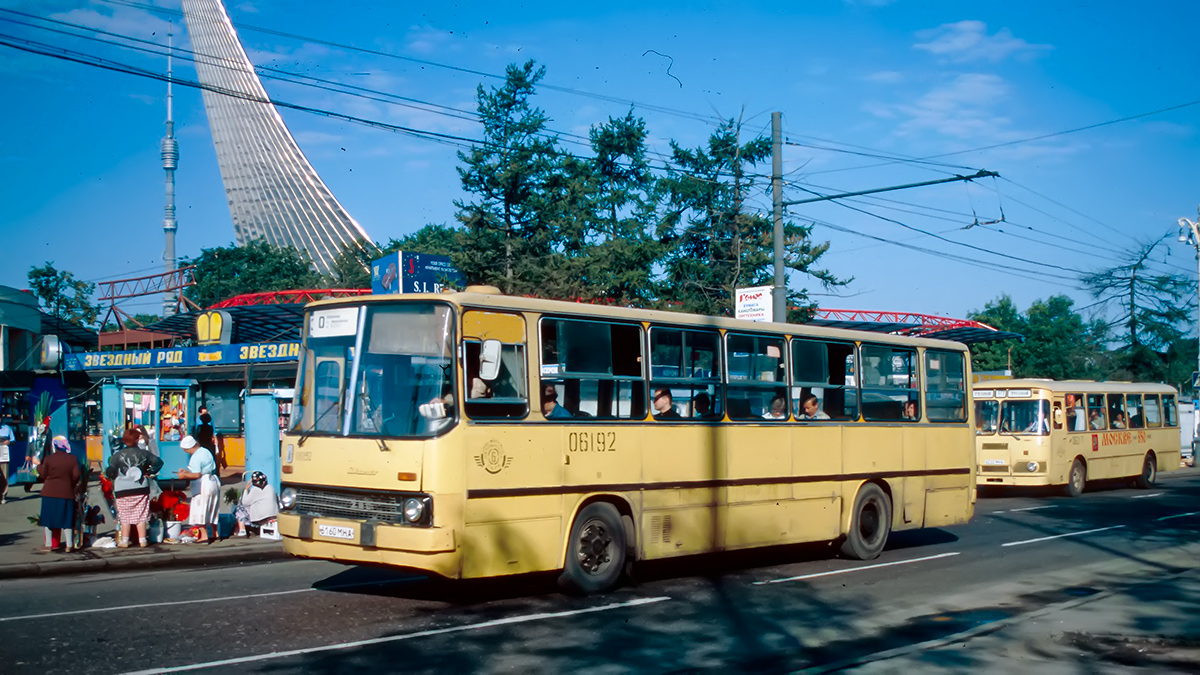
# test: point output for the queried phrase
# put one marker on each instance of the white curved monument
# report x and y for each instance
(274, 193)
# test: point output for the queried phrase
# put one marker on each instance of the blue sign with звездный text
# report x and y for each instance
(183, 357)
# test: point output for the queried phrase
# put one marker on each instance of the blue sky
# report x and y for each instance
(82, 183)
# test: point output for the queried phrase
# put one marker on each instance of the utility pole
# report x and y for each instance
(779, 295)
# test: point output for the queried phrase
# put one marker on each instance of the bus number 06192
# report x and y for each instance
(600, 441)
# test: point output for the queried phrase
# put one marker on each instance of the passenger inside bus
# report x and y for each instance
(1076, 420)
(664, 405)
(910, 410)
(550, 407)
(1118, 420)
(811, 409)
(778, 409)
(1097, 420)
(702, 405)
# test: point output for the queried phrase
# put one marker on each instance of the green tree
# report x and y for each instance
(715, 242)
(1058, 343)
(508, 240)
(1148, 311)
(352, 266)
(611, 247)
(433, 239)
(63, 296)
(257, 267)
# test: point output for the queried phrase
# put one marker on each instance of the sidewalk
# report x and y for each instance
(21, 543)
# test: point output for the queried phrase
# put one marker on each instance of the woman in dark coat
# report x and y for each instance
(59, 472)
(131, 469)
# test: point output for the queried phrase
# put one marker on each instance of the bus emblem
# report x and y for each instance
(492, 459)
(1095, 442)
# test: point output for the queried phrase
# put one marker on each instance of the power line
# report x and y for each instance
(424, 62)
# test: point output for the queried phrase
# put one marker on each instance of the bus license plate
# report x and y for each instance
(335, 531)
(994, 462)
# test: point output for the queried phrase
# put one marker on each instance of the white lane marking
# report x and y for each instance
(997, 511)
(854, 569)
(203, 600)
(1033, 508)
(407, 636)
(1152, 494)
(1179, 515)
(1060, 536)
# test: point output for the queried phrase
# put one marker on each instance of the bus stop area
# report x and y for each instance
(22, 554)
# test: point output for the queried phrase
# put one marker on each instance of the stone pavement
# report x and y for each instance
(22, 554)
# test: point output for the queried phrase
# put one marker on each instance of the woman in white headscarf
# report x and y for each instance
(206, 488)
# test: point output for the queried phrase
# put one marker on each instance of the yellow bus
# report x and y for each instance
(1042, 432)
(475, 434)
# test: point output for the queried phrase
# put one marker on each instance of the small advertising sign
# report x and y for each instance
(403, 272)
(753, 304)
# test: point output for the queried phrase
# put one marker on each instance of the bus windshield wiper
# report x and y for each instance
(316, 423)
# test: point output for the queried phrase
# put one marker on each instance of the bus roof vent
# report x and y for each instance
(479, 288)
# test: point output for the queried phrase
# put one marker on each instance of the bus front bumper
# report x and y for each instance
(431, 549)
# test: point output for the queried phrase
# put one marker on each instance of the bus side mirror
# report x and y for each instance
(489, 360)
(1058, 416)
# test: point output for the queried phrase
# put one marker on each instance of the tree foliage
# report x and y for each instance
(1147, 312)
(1058, 344)
(352, 266)
(515, 178)
(715, 242)
(63, 296)
(257, 267)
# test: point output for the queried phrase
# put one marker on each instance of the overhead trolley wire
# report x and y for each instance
(424, 62)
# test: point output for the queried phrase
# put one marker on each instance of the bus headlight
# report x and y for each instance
(287, 498)
(414, 510)
(1031, 467)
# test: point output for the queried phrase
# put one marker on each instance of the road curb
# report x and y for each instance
(143, 561)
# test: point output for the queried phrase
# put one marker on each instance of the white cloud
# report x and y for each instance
(970, 41)
(426, 40)
(962, 108)
(885, 77)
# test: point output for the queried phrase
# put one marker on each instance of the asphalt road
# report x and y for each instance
(776, 611)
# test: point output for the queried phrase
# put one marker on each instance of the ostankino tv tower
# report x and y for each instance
(170, 159)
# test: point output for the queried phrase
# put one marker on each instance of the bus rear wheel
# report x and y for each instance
(1076, 480)
(596, 550)
(1149, 472)
(870, 524)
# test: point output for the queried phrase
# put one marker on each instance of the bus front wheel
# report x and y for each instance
(1149, 472)
(596, 551)
(1077, 479)
(870, 524)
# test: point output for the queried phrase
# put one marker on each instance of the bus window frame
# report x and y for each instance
(778, 387)
(962, 390)
(800, 389)
(570, 384)
(691, 387)
(913, 391)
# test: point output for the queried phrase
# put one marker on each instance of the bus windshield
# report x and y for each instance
(1025, 417)
(384, 370)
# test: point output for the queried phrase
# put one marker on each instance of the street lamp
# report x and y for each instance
(1189, 233)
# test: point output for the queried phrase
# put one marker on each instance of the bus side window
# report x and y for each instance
(598, 363)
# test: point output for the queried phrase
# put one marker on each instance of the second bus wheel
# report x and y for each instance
(1076, 480)
(1149, 472)
(595, 551)
(870, 524)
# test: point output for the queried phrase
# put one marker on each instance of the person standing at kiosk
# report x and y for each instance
(206, 488)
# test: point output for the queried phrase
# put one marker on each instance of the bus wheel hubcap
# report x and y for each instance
(594, 545)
